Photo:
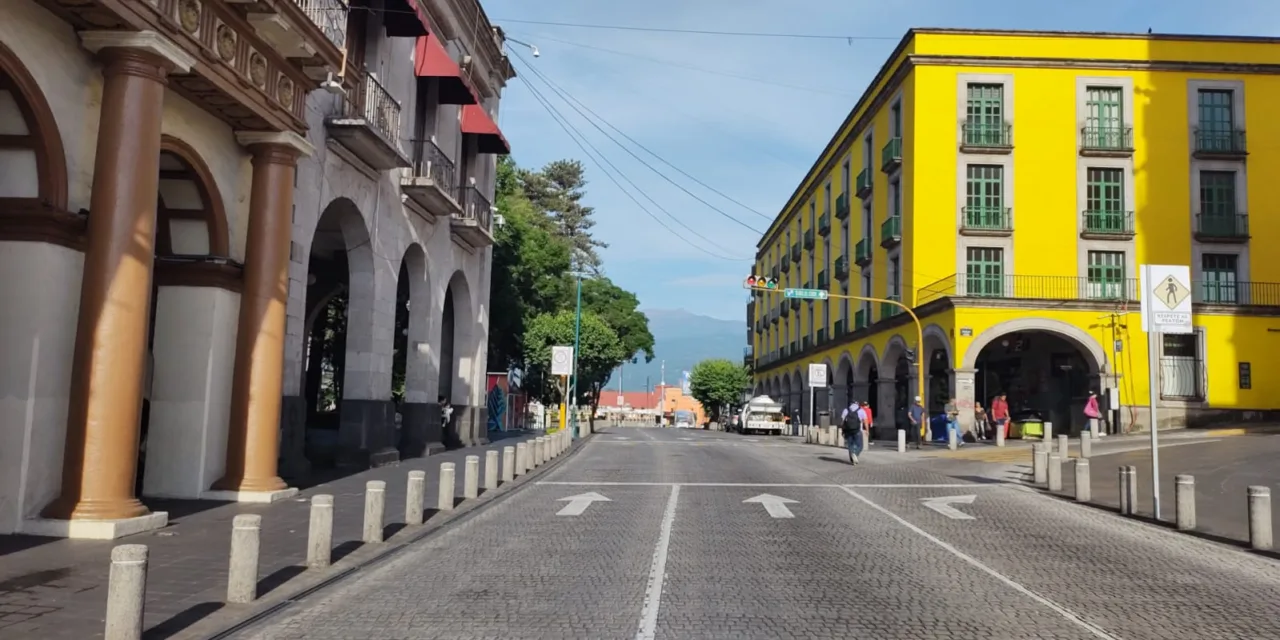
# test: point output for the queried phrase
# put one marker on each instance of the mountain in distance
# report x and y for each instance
(683, 339)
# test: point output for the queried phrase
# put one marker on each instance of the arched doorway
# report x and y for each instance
(338, 321)
(410, 359)
(189, 341)
(867, 378)
(784, 395)
(1043, 366)
(456, 360)
(938, 360)
(843, 386)
(894, 363)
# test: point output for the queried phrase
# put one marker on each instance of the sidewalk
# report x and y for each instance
(53, 588)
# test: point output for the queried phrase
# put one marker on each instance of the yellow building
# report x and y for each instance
(1007, 185)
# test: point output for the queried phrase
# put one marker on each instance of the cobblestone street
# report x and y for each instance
(646, 533)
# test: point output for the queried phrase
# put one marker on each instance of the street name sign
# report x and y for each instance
(807, 294)
(817, 375)
(1166, 298)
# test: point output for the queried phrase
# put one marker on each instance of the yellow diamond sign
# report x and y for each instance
(1170, 292)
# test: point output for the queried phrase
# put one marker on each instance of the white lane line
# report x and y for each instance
(658, 571)
(1010, 582)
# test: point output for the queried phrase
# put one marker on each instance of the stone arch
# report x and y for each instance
(867, 360)
(414, 279)
(935, 338)
(894, 349)
(1078, 337)
(40, 137)
(190, 218)
(456, 357)
(939, 381)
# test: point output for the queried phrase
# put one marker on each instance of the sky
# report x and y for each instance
(735, 122)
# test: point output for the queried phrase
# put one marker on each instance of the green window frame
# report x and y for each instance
(984, 192)
(984, 271)
(1219, 277)
(1106, 274)
(1217, 193)
(1216, 111)
(984, 114)
(1105, 108)
(1104, 200)
(896, 117)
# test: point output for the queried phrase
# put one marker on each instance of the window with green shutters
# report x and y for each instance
(984, 271)
(1104, 122)
(984, 115)
(1106, 274)
(984, 196)
(1218, 278)
(1104, 201)
(1217, 120)
(1218, 203)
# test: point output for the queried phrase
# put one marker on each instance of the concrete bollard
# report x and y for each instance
(1131, 489)
(539, 451)
(320, 532)
(1039, 463)
(902, 440)
(1064, 446)
(126, 592)
(1094, 424)
(415, 497)
(522, 459)
(1124, 491)
(1084, 487)
(952, 440)
(490, 470)
(1184, 502)
(242, 575)
(840, 441)
(1000, 435)
(1048, 433)
(471, 478)
(508, 464)
(444, 499)
(375, 506)
(1086, 445)
(1055, 473)
(1260, 518)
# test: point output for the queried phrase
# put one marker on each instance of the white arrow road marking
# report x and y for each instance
(579, 503)
(686, 439)
(943, 505)
(621, 438)
(775, 505)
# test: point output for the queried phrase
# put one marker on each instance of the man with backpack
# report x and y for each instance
(851, 421)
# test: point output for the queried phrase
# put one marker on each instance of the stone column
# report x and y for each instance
(257, 382)
(962, 381)
(861, 391)
(886, 421)
(101, 447)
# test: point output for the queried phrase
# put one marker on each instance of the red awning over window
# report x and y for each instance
(432, 60)
(489, 138)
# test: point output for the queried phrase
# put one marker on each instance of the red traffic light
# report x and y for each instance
(751, 281)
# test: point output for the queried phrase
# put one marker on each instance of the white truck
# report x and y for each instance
(762, 415)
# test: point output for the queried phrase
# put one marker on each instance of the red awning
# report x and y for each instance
(478, 123)
(403, 19)
(431, 60)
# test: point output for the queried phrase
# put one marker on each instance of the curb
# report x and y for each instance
(270, 607)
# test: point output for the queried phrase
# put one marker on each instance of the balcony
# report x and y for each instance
(839, 329)
(1233, 293)
(1222, 227)
(312, 30)
(888, 310)
(823, 282)
(824, 225)
(430, 182)
(786, 265)
(1220, 145)
(891, 155)
(980, 137)
(1011, 287)
(795, 303)
(774, 273)
(1106, 142)
(860, 319)
(822, 337)
(808, 239)
(369, 124)
(842, 268)
(795, 252)
(842, 206)
(474, 224)
(804, 344)
(1107, 225)
(862, 186)
(986, 221)
(862, 252)
(785, 309)
(891, 231)
(774, 314)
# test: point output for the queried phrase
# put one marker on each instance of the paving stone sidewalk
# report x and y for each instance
(54, 588)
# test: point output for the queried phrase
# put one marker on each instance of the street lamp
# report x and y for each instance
(577, 339)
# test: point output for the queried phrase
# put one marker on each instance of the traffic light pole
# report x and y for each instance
(920, 389)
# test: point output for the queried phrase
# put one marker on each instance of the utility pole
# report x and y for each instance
(662, 393)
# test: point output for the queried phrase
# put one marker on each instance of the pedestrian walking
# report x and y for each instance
(953, 418)
(1000, 415)
(851, 426)
(1091, 411)
(916, 416)
(868, 423)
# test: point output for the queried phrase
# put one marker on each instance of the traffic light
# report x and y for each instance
(760, 282)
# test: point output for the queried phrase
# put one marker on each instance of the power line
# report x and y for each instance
(681, 65)
(703, 32)
(583, 144)
(569, 100)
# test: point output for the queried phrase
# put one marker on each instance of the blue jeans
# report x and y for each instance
(854, 442)
(953, 426)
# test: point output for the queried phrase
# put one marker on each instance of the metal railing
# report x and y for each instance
(863, 181)
(891, 153)
(824, 224)
(986, 135)
(1261, 294)
(795, 252)
(842, 268)
(862, 250)
(476, 207)
(839, 328)
(1108, 222)
(1107, 138)
(373, 103)
(891, 229)
(808, 238)
(1219, 141)
(890, 310)
(330, 16)
(1222, 225)
(842, 206)
(823, 281)
(1030, 288)
(429, 160)
(984, 218)
(860, 319)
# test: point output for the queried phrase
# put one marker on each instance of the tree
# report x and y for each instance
(717, 383)
(557, 190)
(599, 352)
(530, 270)
(621, 310)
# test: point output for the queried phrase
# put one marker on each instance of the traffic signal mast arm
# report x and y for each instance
(920, 389)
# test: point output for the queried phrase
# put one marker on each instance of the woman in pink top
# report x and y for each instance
(1000, 414)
